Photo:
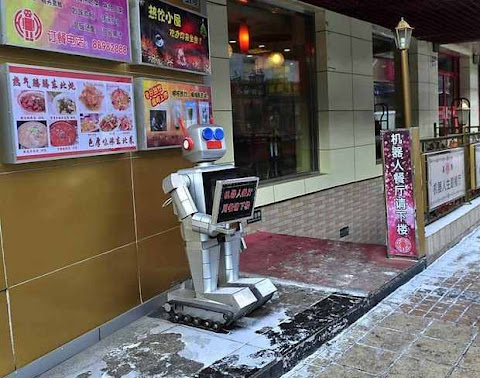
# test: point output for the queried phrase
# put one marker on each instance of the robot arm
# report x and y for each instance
(177, 186)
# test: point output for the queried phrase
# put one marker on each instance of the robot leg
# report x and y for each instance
(262, 288)
(207, 305)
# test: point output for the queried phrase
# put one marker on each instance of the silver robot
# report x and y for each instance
(216, 296)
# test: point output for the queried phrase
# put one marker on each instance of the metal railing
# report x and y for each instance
(465, 141)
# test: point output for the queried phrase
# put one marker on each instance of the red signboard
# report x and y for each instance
(399, 196)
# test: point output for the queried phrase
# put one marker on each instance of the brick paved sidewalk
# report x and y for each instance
(428, 328)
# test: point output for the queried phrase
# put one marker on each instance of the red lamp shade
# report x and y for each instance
(243, 38)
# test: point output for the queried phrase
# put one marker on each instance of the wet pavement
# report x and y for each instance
(155, 347)
(306, 313)
(428, 328)
(354, 267)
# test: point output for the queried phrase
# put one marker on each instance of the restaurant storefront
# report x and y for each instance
(88, 136)
(272, 79)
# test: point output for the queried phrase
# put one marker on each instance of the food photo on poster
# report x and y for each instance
(98, 28)
(170, 37)
(55, 114)
(160, 106)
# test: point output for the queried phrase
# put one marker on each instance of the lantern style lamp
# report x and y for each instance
(463, 112)
(403, 35)
(244, 38)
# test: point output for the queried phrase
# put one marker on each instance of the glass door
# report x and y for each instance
(448, 89)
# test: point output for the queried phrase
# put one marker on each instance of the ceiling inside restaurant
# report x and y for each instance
(442, 21)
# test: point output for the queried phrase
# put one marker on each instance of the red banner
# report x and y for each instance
(400, 203)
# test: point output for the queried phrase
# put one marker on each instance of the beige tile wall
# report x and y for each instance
(220, 78)
(469, 86)
(423, 64)
(345, 96)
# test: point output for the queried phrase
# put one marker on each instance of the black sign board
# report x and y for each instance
(256, 217)
(234, 200)
(172, 37)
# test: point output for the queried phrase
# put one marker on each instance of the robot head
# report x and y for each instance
(204, 143)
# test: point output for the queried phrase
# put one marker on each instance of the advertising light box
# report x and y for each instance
(166, 36)
(54, 114)
(476, 154)
(446, 177)
(160, 106)
(399, 193)
(97, 28)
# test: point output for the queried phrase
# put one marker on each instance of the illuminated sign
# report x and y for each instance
(98, 28)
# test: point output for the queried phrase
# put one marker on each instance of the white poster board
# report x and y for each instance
(55, 114)
(446, 177)
(477, 165)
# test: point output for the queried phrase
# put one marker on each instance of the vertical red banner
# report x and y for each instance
(400, 202)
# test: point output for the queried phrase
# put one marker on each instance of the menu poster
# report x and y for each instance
(98, 28)
(160, 106)
(56, 114)
(170, 37)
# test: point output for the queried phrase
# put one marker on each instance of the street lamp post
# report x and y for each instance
(403, 36)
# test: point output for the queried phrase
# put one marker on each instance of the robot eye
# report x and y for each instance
(219, 134)
(207, 133)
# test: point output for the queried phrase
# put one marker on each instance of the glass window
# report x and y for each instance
(448, 91)
(272, 80)
(383, 86)
(446, 62)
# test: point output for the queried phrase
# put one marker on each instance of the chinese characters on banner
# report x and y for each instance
(172, 37)
(399, 196)
(98, 28)
(162, 104)
(57, 114)
(446, 177)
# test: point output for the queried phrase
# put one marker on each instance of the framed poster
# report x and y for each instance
(54, 114)
(399, 194)
(446, 177)
(160, 105)
(97, 28)
(166, 36)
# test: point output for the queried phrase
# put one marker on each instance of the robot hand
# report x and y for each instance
(225, 229)
(203, 223)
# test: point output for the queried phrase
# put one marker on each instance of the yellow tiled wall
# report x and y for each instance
(6, 356)
(86, 239)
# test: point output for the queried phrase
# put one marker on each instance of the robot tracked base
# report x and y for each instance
(183, 307)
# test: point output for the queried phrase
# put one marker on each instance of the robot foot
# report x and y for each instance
(262, 288)
(185, 307)
(195, 321)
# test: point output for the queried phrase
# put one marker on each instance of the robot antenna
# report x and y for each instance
(182, 127)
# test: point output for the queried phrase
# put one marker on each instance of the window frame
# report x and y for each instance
(312, 105)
